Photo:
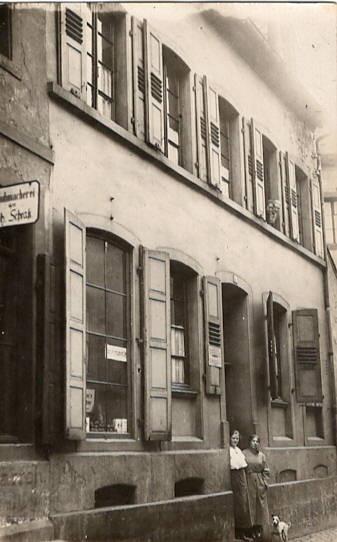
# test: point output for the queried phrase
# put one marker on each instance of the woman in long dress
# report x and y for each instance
(258, 479)
(238, 467)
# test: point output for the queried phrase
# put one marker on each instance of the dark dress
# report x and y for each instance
(242, 514)
(257, 480)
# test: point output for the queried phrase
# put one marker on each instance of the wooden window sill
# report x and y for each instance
(279, 403)
(183, 392)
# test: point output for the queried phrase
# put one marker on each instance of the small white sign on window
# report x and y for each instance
(117, 353)
(214, 356)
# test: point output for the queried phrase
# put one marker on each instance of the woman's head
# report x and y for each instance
(254, 442)
(235, 437)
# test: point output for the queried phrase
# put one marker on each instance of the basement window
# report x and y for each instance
(115, 495)
(188, 487)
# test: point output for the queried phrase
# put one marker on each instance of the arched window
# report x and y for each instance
(108, 300)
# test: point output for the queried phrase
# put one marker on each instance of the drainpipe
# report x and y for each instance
(327, 300)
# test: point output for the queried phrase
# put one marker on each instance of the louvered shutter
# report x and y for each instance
(292, 195)
(307, 356)
(137, 36)
(317, 216)
(75, 326)
(48, 347)
(258, 170)
(201, 129)
(213, 335)
(213, 134)
(285, 194)
(271, 350)
(156, 344)
(248, 158)
(73, 28)
(154, 88)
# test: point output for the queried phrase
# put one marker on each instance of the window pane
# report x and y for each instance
(96, 408)
(116, 409)
(115, 314)
(104, 106)
(96, 368)
(117, 372)
(115, 269)
(95, 310)
(173, 153)
(95, 261)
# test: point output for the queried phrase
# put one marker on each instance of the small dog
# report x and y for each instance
(280, 528)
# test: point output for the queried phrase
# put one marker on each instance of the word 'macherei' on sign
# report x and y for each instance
(19, 204)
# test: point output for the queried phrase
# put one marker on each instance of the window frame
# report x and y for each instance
(286, 401)
(107, 237)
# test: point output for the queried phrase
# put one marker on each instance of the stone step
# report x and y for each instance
(39, 530)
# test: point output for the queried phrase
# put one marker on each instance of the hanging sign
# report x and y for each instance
(19, 204)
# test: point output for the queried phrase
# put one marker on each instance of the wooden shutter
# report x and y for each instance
(48, 348)
(248, 159)
(285, 194)
(72, 28)
(317, 216)
(138, 78)
(154, 88)
(271, 350)
(75, 326)
(213, 335)
(307, 356)
(156, 337)
(213, 134)
(258, 170)
(201, 130)
(292, 195)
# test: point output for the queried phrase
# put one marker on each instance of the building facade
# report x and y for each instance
(174, 284)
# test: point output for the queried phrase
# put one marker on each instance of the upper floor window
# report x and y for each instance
(5, 31)
(302, 213)
(217, 131)
(175, 75)
(107, 331)
(100, 63)
(91, 52)
(161, 110)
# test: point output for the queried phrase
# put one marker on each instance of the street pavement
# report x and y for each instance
(330, 535)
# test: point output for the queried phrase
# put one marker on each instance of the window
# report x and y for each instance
(179, 325)
(272, 191)
(176, 76)
(161, 109)
(107, 300)
(217, 130)
(91, 51)
(5, 31)
(277, 338)
(254, 168)
(100, 63)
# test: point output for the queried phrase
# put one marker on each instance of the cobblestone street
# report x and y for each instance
(329, 535)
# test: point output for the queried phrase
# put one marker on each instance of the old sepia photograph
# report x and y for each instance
(168, 271)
